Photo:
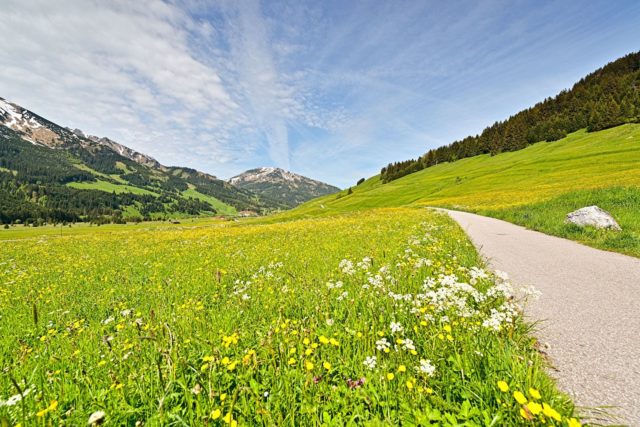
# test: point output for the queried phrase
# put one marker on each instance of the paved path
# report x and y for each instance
(589, 310)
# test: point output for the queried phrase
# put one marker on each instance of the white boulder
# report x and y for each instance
(593, 216)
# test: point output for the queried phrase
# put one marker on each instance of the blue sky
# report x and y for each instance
(330, 89)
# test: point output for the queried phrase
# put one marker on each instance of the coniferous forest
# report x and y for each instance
(605, 98)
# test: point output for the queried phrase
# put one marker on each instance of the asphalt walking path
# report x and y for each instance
(588, 313)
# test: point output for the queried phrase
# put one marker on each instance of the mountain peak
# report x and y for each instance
(281, 185)
(40, 131)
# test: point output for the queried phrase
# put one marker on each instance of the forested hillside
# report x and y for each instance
(608, 97)
(50, 174)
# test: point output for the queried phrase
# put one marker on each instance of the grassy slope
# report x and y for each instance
(109, 187)
(535, 187)
(220, 206)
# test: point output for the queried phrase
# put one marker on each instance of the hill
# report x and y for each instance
(282, 186)
(535, 187)
(49, 173)
(608, 97)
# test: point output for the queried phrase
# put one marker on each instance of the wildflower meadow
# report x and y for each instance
(383, 317)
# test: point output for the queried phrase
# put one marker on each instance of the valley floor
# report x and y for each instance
(379, 317)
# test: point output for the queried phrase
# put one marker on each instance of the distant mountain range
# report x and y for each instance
(50, 173)
(284, 187)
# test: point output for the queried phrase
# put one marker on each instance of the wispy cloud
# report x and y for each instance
(331, 89)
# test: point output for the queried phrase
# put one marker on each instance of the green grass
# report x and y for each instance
(549, 179)
(265, 324)
(20, 232)
(221, 207)
(110, 187)
(114, 177)
(549, 216)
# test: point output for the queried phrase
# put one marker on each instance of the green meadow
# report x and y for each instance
(535, 187)
(384, 317)
(353, 309)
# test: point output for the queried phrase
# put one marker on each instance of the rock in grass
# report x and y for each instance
(96, 418)
(593, 216)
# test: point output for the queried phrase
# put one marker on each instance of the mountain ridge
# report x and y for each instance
(283, 186)
(53, 173)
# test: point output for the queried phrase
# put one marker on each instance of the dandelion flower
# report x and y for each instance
(327, 366)
(390, 376)
(519, 397)
(574, 423)
(550, 412)
(215, 414)
(402, 368)
(534, 407)
(534, 393)
(503, 386)
(524, 413)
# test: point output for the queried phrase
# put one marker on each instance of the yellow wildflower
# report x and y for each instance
(534, 407)
(550, 412)
(524, 413)
(390, 376)
(215, 414)
(574, 423)
(503, 386)
(534, 393)
(327, 366)
(402, 368)
(519, 397)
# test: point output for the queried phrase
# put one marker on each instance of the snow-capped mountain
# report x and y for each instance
(281, 185)
(83, 177)
(41, 131)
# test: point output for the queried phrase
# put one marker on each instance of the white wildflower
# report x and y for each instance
(396, 327)
(382, 344)
(16, 398)
(408, 344)
(370, 362)
(426, 368)
(347, 267)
